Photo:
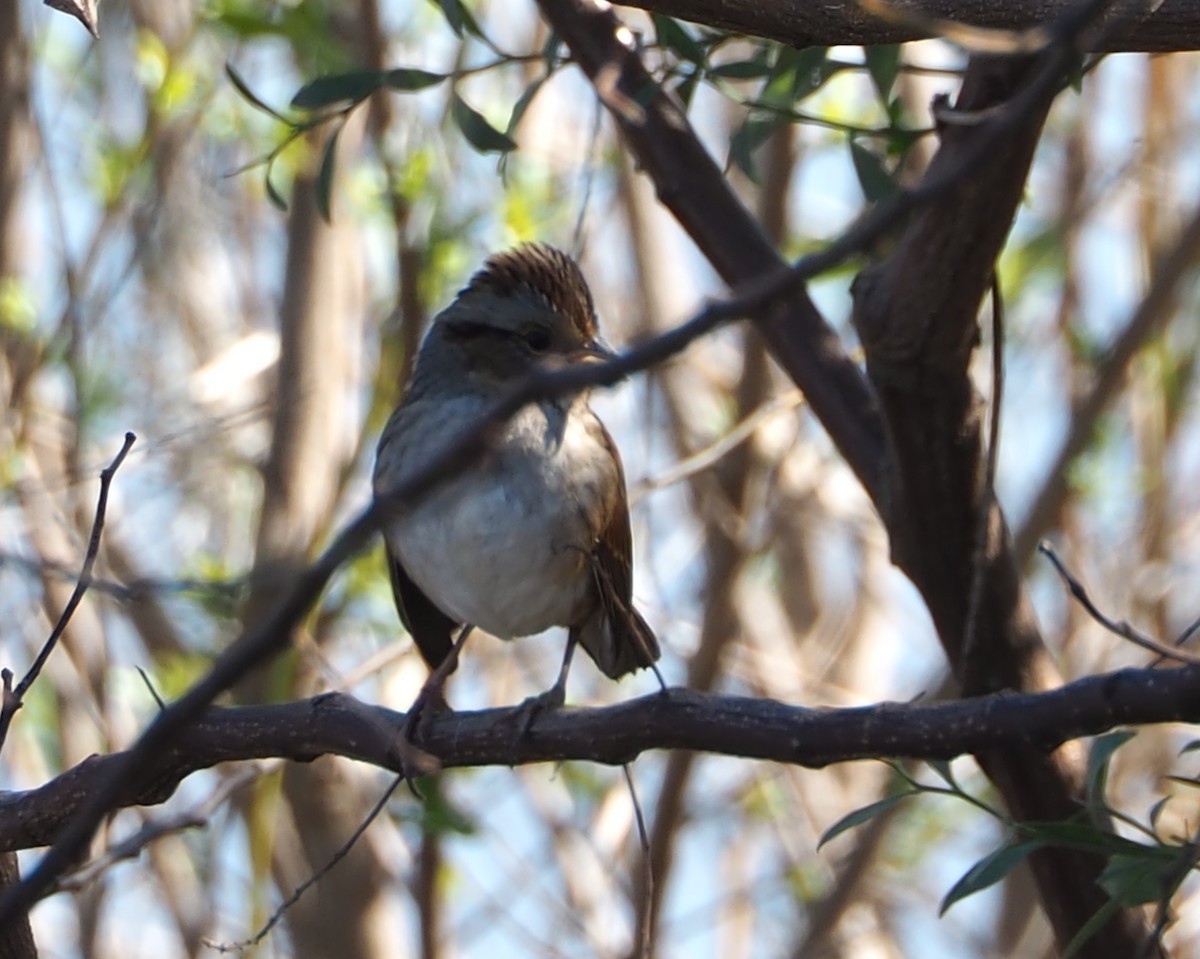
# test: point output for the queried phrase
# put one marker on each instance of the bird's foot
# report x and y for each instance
(415, 761)
(525, 715)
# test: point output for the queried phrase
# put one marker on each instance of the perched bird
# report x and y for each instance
(536, 532)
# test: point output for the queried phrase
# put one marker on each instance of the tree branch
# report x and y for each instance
(1173, 25)
(337, 724)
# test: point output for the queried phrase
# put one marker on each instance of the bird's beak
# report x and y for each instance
(597, 351)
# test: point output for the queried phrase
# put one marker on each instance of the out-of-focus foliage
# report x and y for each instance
(145, 293)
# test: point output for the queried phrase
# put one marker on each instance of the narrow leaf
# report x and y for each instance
(1157, 810)
(1091, 927)
(988, 871)
(749, 137)
(674, 36)
(860, 816)
(1099, 757)
(876, 182)
(741, 70)
(883, 63)
(452, 11)
(247, 94)
(324, 185)
(479, 133)
(686, 87)
(522, 104)
(1089, 838)
(942, 768)
(1135, 880)
(352, 87)
(810, 71)
(274, 195)
(409, 78)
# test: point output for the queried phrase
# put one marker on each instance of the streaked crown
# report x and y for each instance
(544, 273)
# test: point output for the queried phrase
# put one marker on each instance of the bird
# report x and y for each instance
(535, 533)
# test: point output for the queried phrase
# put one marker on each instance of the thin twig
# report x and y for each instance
(134, 590)
(1116, 627)
(722, 446)
(13, 699)
(131, 847)
(308, 883)
(647, 865)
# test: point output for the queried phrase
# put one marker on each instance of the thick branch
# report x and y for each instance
(729, 725)
(1173, 25)
(693, 188)
(916, 313)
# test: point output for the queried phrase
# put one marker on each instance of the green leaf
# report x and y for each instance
(673, 36)
(874, 178)
(1091, 927)
(865, 814)
(810, 71)
(324, 185)
(686, 87)
(749, 137)
(409, 78)
(1157, 810)
(453, 12)
(1089, 838)
(988, 871)
(479, 133)
(942, 768)
(1135, 880)
(1099, 757)
(274, 195)
(522, 104)
(352, 87)
(741, 70)
(780, 86)
(240, 85)
(883, 63)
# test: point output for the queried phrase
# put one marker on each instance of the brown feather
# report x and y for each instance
(547, 273)
(628, 643)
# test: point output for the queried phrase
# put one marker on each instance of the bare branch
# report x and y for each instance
(13, 698)
(312, 880)
(337, 724)
(1116, 627)
(1159, 28)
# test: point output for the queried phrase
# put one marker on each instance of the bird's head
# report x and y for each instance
(527, 306)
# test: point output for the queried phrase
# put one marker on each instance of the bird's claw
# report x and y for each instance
(414, 760)
(534, 706)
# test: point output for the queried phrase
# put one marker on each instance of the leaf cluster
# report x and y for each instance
(1136, 872)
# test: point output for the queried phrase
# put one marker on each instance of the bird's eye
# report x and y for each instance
(537, 340)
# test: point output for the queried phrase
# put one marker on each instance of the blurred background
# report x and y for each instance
(148, 285)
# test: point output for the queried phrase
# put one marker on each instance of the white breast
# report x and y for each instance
(505, 546)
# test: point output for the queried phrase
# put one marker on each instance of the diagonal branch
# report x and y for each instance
(13, 699)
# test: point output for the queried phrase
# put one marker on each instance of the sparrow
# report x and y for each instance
(536, 532)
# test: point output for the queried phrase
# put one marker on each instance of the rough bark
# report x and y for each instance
(1173, 25)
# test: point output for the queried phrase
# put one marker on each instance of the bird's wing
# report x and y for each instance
(635, 645)
(430, 628)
